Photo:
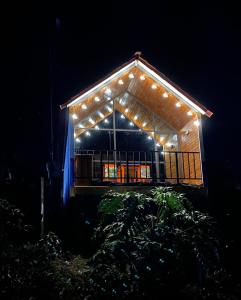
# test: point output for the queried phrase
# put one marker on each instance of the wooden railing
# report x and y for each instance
(131, 167)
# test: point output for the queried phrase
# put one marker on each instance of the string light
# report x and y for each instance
(84, 106)
(77, 140)
(108, 108)
(101, 115)
(136, 117)
(74, 116)
(106, 121)
(97, 127)
(111, 102)
(189, 113)
(149, 137)
(142, 77)
(196, 123)
(108, 91)
(121, 82)
(131, 76)
(80, 125)
(161, 139)
(165, 95)
(74, 134)
(126, 110)
(154, 87)
(87, 133)
(144, 124)
(97, 99)
(168, 145)
(91, 121)
(157, 144)
(178, 104)
(122, 116)
(131, 124)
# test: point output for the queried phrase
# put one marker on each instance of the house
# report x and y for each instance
(133, 127)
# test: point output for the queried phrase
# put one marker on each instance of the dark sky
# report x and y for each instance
(198, 49)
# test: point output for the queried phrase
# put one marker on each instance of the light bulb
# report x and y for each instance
(74, 116)
(106, 121)
(196, 123)
(77, 140)
(91, 121)
(126, 110)
(121, 82)
(97, 99)
(131, 124)
(154, 87)
(136, 117)
(122, 116)
(189, 113)
(178, 104)
(108, 91)
(84, 106)
(87, 133)
(165, 95)
(101, 115)
(144, 124)
(142, 77)
(131, 76)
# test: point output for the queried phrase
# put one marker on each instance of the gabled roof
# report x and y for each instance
(139, 62)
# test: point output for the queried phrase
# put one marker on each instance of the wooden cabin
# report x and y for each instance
(133, 127)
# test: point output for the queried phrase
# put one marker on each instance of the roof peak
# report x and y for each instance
(137, 54)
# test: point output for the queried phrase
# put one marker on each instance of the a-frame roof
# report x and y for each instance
(151, 71)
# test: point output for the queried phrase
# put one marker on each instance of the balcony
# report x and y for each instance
(109, 167)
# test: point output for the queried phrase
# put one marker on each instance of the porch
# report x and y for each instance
(99, 168)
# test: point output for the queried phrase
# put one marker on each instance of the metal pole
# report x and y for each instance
(42, 208)
(114, 139)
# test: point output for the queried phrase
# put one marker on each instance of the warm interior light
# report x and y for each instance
(97, 99)
(178, 104)
(77, 140)
(154, 87)
(84, 106)
(122, 116)
(189, 113)
(136, 117)
(131, 124)
(142, 77)
(165, 95)
(101, 115)
(87, 133)
(144, 124)
(196, 123)
(126, 110)
(131, 76)
(91, 121)
(121, 82)
(74, 116)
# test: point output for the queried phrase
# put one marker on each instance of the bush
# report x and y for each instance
(152, 246)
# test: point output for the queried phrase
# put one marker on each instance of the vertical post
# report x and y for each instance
(101, 167)
(157, 159)
(127, 167)
(177, 170)
(42, 208)
(114, 139)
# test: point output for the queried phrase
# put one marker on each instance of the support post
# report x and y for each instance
(42, 208)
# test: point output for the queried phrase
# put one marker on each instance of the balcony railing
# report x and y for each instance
(131, 167)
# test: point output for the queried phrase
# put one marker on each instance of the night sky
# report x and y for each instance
(199, 50)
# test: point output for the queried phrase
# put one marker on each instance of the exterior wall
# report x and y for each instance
(189, 141)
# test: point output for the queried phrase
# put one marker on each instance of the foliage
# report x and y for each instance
(155, 245)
